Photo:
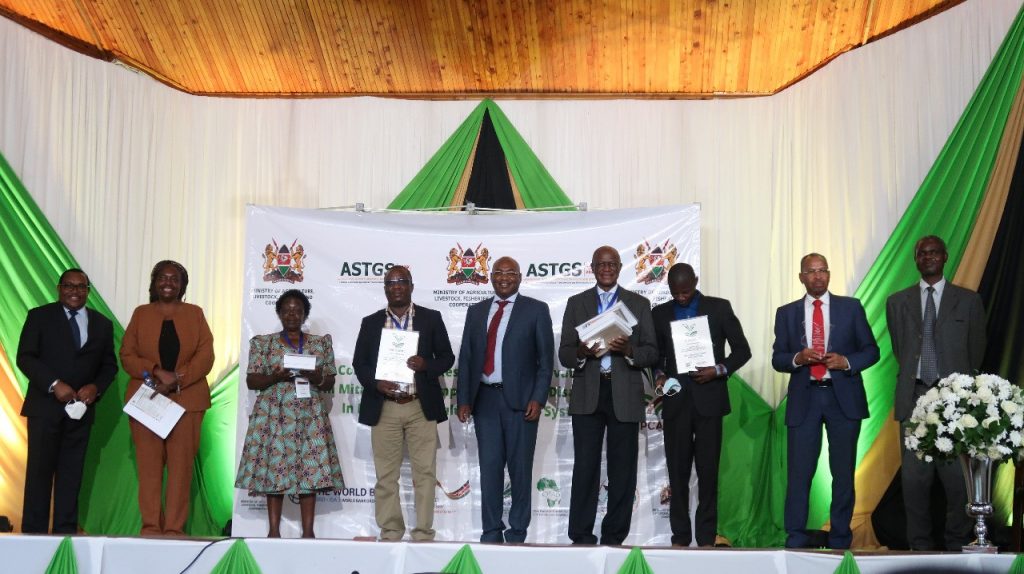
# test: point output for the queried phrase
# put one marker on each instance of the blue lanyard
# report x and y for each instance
(292, 345)
(601, 307)
(403, 325)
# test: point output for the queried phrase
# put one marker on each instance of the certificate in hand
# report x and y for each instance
(691, 339)
(297, 362)
(155, 411)
(396, 346)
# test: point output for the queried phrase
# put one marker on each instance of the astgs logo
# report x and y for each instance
(652, 263)
(283, 263)
(468, 265)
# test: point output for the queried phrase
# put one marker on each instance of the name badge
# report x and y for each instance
(302, 388)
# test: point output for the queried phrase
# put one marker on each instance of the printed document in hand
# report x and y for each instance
(691, 339)
(617, 321)
(396, 346)
(155, 411)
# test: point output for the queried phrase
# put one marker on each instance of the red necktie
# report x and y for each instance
(492, 337)
(818, 370)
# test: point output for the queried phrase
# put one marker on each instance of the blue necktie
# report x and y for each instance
(606, 360)
(76, 333)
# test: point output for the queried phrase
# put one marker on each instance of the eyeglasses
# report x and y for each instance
(815, 272)
(500, 274)
(606, 264)
(393, 282)
(74, 286)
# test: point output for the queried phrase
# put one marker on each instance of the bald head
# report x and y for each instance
(505, 277)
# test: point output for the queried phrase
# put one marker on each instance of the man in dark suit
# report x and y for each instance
(693, 415)
(67, 353)
(607, 395)
(937, 329)
(403, 417)
(824, 342)
(505, 369)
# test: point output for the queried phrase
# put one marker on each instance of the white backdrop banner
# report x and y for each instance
(339, 260)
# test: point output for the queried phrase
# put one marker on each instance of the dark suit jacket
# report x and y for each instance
(527, 353)
(849, 335)
(627, 380)
(959, 337)
(46, 353)
(711, 398)
(433, 346)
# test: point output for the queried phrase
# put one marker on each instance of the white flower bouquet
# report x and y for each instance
(982, 417)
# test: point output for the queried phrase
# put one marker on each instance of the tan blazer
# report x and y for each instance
(140, 351)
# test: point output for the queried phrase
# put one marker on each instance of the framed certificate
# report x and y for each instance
(691, 341)
(396, 346)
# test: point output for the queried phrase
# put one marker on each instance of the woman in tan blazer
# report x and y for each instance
(172, 341)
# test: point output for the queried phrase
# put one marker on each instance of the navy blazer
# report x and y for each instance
(527, 353)
(711, 398)
(849, 335)
(46, 353)
(433, 346)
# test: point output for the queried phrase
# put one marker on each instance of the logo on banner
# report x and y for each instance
(283, 262)
(665, 496)
(456, 494)
(468, 265)
(653, 263)
(549, 491)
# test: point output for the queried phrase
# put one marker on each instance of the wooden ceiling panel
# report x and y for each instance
(471, 48)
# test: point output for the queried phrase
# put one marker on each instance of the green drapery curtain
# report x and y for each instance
(435, 185)
(64, 560)
(237, 560)
(32, 264)
(946, 205)
(752, 483)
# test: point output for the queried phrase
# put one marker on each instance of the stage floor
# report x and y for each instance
(31, 554)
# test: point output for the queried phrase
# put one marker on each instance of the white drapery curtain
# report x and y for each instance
(130, 171)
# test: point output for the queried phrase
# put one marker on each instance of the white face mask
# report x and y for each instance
(670, 388)
(75, 409)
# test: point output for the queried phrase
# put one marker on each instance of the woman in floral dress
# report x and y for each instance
(289, 446)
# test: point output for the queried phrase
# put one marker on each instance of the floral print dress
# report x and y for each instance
(289, 445)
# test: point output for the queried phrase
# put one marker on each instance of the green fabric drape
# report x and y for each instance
(32, 265)
(635, 563)
(436, 183)
(752, 471)
(1018, 565)
(64, 560)
(847, 565)
(463, 562)
(946, 205)
(237, 560)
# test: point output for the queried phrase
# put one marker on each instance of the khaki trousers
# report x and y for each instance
(400, 426)
(178, 453)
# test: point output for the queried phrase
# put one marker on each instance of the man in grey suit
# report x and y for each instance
(505, 369)
(937, 329)
(607, 395)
